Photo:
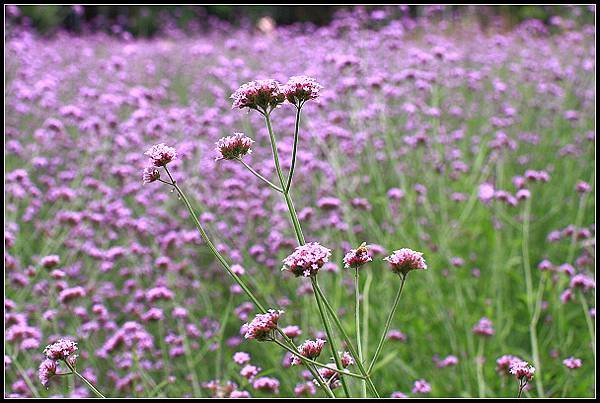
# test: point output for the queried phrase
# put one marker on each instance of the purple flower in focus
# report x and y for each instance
(355, 258)
(233, 147)
(307, 259)
(160, 154)
(262, 95)
(300, 89)
(405, 260)
(262, 326)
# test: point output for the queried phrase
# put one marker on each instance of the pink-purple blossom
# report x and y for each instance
(263, 95)
(356, 258)
(306, 260)
(160, 154)
(262, 326)
(404, 260)
(61, 349)
(300, 89)
(310, 349)
(572, 363)
(234, 147)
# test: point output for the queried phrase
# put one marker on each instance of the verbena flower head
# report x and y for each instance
(484, 327)
(233, 147)
(60, 350)
(262, 95)
(262, 326)
(46, 370)
(421, 386)
(241, 357)
(503, 363)
(160, 154)
(405, 260)
(310, 349)
(522, 370)
(572, 363)
(266, 384)
(307, 259)
(346, 359)
(582, 281)
(357, 257)
(50, 261)
(150, 174)
(300, 89)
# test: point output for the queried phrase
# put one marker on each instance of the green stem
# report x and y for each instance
(294, 217)
(578, 220)
(480, 378)
(387, 324)
(259, 176)
(330, 339)
(530, 298)
(286, 194)
(274, 148)
(294, 150)
(89, 385)
(357, 326)
(590, 323)
(212, 247)
(340, 327)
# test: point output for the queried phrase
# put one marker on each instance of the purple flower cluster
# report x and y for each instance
(521, 370)
(310, 349)
(405, 260)
(484, 327)
(307, 259)
(262, 326)
(233, 147)
(356, 258)
(160, 154)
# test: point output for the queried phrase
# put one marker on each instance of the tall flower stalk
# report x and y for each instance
(264, 96)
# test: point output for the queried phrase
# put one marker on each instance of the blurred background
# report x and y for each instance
(147, 21)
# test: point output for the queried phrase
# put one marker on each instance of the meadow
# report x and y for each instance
(472, 145)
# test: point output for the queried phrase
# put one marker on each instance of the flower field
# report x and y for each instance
(384, 206)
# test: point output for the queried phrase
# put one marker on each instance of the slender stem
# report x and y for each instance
(340, 327)
(286, 194)
(294, 217)
(387, 323)
(521, 387)
(274, 148)
(89, 385)
(363, 386)
(366, 312)
(294, 150)
(530, 298)
(590, 323)
(188, 355)
(318, 364)
(165, 182)
(330, 339)
(480, 379)
(259, 176)
(164, 352)
(578, 219)
(212, 247)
